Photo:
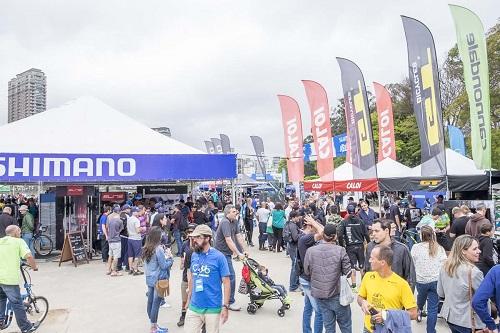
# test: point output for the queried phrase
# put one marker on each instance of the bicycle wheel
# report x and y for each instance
(43, 245)
(37, 309)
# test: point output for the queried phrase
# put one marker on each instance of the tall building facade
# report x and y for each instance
(27, 94)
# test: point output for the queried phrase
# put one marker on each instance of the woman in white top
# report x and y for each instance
(428, 257)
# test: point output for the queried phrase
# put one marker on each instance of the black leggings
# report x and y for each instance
(249, 228)
(278, 235)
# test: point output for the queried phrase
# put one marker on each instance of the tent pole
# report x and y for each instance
(379, 203)
(233, 192)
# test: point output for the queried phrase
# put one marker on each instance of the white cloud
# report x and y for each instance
(209, 67)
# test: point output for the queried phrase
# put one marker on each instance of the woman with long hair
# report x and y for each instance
(428, 258)
(161, 221)
(157, 262)
(278, 225)
(458, 279)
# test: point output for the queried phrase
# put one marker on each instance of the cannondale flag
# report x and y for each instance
(226, 144)
(386, 141)
(217, 144)
(423, 70)
(472, 47)
(210, 147)
(258, 146)
(292, 128)
(321, 129)
(358, 120)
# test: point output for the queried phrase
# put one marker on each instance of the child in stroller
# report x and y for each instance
(260, 287)
(263, 273)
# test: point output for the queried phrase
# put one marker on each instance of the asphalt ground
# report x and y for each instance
(85, 300)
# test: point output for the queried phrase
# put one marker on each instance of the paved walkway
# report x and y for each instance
(85, 300)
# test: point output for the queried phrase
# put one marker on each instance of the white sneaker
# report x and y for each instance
(166, 305)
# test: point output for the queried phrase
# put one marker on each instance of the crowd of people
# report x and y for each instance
(386, 258)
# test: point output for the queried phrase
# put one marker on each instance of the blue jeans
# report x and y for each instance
(310, 304)
(153, 305)
(123, 260)
(428, 292)
(13, 294)
(294, 276)
(458, 329)
(28, 238)
(232, 278)
(178, 240)
(333, 313)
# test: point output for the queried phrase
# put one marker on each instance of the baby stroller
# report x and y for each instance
(259, 290)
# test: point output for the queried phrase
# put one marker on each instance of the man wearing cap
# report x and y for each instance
(134, 241)
(208, 270)
(352, 235)
(12, 250)
(27, 227)
(114, 227)
(325, 263)
(227, 242)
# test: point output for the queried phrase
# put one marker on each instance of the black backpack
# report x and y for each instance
(287, 233)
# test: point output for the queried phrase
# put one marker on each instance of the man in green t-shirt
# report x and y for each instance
(27, 227)
(12, 250)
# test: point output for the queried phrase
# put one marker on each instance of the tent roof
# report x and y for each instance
(87, 126)
(456, 165)
(387, 168)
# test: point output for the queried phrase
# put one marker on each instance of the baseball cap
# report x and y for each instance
(23, 207)
(116, 208)
(135, 209)
(158, 205)
(330, 230)
(351, 209)
(202, 230)
(191, 226)
(126, 206)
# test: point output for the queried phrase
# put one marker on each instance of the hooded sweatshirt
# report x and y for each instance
(473, 227)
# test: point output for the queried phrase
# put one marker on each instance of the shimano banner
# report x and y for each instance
(85, 168)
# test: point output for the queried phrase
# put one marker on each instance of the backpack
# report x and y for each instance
(184, 223)
(287, 233)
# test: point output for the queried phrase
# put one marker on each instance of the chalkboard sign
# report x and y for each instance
(73, 249)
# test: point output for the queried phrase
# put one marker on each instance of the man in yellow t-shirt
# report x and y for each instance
(382, 290)
(12, 250)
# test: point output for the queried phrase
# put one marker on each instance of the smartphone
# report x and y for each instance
(373, 311)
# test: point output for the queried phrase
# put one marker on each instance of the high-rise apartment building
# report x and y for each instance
(27, 94)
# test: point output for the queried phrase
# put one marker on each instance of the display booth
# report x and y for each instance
(86, 143)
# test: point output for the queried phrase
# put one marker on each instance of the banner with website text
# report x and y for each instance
(386, 140)
(423, 73)
(358, 121)
(292, 131)
(321, 128)
(472, 47)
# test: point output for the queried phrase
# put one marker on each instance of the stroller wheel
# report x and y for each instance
(281, 312)
(252, 308)
(287, 306)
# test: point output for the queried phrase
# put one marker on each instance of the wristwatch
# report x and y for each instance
(226, 306)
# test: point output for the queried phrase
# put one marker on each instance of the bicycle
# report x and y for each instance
(36, 307)
(42, 243)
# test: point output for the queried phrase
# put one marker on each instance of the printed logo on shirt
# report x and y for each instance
(201, 270)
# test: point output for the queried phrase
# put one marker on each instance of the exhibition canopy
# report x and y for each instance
(344, 182)
(87, 141)
(462, 175)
